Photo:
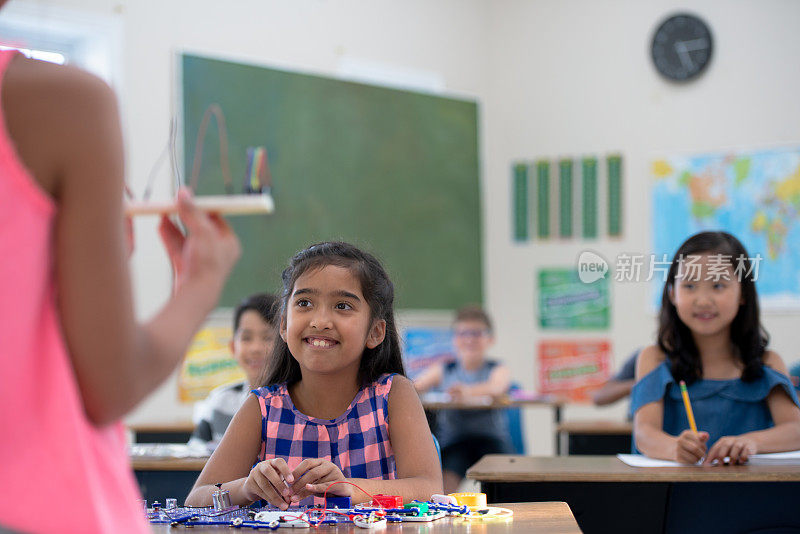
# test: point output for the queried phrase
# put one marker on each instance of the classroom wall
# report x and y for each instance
(413, 42)
(573, 78)
(553, 79)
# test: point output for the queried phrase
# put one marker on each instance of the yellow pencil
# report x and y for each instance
(688, 406)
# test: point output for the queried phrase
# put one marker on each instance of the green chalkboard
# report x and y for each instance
(395, 172)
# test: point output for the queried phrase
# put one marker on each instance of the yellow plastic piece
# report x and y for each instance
(475, 501)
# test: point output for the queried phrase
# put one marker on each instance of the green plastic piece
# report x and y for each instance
(421, 506)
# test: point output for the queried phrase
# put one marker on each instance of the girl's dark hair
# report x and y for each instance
(748, 336)
(378, 292)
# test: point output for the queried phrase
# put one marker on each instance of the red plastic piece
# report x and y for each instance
(387, 501)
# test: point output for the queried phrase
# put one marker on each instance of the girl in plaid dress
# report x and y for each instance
(332, 386)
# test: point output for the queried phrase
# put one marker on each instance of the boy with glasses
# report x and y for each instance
(467, 435)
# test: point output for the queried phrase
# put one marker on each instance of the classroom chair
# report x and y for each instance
(514, 418)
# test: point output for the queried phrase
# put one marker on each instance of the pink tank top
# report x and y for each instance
(59, 472)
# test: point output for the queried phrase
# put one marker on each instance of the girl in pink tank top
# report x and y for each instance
(74, 360)
(334, 412)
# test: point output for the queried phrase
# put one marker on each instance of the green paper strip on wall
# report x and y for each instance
(520, 202)
(589, 207)
(565, 198)
(614, 195)
(543, 198)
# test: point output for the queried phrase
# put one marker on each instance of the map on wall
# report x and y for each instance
(753, 195)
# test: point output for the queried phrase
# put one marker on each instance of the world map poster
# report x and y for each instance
(755, 195)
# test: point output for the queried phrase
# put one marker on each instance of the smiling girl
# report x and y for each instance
(334, 405)
(710, 336)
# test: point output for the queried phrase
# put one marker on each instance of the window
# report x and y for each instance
(86, 39)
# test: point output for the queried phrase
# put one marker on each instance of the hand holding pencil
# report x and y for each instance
(691, 444)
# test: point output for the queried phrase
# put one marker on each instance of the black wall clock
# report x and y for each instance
(682, 47)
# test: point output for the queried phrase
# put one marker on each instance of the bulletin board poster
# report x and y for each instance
(426, 346)
(208, 364)
(570, 369)
(567, 303)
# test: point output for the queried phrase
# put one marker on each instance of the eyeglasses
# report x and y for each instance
(470, 332)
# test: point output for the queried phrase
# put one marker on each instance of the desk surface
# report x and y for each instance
(595, 427)
(485, 403)
(164, 426)
(167, 464)
(512, 468)
(540, 517)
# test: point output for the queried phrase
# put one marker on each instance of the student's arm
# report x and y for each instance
(496, 385)
(619, 386)
(784, 436)
(429, 378)
(231, 461)
(612, 391)
(419, 474)
(65, 123)
(651, 440)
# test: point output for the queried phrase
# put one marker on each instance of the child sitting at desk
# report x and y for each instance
(332, 386)
(465, 436)
(254, 332)
(710, 336)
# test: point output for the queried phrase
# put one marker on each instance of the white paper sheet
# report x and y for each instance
(639, 460)
(775, 458)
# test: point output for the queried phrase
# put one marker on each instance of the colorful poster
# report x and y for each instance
(208, 364)
(565, 302)
(570, 369)
(753, 195)
(425, 346)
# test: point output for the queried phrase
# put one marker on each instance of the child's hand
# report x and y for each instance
(209, 250)
(691, 446)
(737, 448)
(314, 475)
(457, 391)
(270, 480)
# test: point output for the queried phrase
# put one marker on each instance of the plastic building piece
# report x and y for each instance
(387, 501)
(338, 502)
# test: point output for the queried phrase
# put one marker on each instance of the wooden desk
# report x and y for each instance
(168, 464)
(163, 477)
(435, 403)
(488, 403)
(594, 437)
(603, 492)
(535, 518)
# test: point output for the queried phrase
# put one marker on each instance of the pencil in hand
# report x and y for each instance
(688, 406)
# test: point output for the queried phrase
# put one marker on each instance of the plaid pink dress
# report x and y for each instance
(357, 441)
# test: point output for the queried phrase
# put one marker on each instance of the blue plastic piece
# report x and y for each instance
(338, 502)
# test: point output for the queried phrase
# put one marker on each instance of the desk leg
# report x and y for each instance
(556, 422)
(563, 443)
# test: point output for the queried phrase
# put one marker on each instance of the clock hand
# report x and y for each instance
(683, 54)
(695, 44)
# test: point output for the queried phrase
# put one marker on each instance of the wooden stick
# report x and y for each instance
(224, 204)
